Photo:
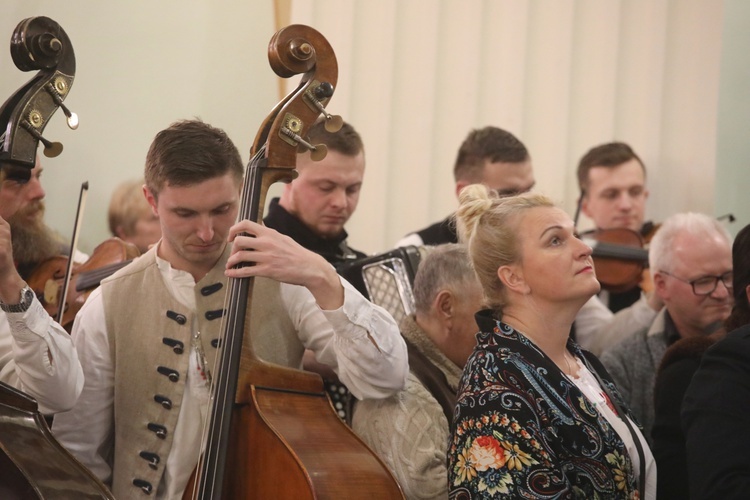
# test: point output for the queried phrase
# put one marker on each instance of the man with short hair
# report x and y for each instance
(409, 430)
(36, 353)
(490, 156)
(314, 207)
(691, 263)
(313, 210)
(612, 181)
(148, 336)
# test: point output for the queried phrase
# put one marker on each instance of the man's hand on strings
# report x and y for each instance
(279, 257)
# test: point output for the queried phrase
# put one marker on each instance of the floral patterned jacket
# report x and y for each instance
(524, 430)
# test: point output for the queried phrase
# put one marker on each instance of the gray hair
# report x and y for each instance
(661, 248)
(443, 267)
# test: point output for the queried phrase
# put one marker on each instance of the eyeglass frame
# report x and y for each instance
(729, 286)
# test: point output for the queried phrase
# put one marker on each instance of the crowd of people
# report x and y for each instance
(517, 376)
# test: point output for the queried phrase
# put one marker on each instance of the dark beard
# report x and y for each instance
(33, 243)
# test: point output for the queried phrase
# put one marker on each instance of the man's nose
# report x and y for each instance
(338, 198)
(34, 189)
(721, 291)
(205, 229)
(625, 201)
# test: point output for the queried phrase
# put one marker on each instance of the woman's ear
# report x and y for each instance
(512, 277)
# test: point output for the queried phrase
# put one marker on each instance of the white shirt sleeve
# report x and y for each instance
(87, 430)
(597, 328)
(412, 239)
(359, 340)
(38, 357)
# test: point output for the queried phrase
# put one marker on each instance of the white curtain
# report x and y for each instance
(563, 75)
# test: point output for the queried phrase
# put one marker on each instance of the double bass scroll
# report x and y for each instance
(273, 432)
(33, 465)
(37, 43)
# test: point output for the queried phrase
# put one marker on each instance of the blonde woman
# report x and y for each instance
(536, 416)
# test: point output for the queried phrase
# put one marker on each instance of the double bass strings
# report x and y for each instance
(207, 480)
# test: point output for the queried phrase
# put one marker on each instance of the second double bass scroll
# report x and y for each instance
(273, 432)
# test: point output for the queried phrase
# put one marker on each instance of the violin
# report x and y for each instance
(47, 278)
(272, 431)
(620, 258)
(33, 463)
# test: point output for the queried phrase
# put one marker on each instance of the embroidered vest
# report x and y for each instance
(150, 341)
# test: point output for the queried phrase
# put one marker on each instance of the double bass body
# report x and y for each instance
(273, 432)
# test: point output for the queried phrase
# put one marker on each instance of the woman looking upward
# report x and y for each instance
(536, 416)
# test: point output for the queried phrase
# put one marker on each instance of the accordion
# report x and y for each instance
(386, 279)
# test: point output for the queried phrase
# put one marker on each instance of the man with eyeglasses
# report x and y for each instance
(691, 263)
(491, 156)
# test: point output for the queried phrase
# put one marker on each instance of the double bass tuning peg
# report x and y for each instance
(51, 149)
(54, 90)
(324, 91)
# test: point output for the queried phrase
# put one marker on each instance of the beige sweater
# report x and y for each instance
(409, 431)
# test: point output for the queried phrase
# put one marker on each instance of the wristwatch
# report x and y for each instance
(27, 297)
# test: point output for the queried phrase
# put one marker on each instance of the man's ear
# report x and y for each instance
(660, 285)
(460, 185)
(747, 293)
(444, 302)
(585, 206)
(512, 277)
(286, 196)
(151, 199)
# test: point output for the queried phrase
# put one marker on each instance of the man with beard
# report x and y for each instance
(36, 354)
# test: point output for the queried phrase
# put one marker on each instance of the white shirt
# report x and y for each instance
(360, 341)
(590, 387)
(598, 328)
(38, 357)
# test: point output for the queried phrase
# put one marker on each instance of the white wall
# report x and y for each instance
(141, 65)
(733, 146)
(563, 76)
(415, 76)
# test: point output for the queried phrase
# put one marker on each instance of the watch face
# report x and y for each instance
(27, 297)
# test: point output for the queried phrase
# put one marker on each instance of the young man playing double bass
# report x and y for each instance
(147, 337)
(36, 353)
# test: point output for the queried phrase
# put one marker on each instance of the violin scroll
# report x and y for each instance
(37, 43)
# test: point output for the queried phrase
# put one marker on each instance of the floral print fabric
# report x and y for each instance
(524, 430)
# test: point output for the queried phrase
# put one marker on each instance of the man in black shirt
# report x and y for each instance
(314, 207)
(313, 210)
(490, 156)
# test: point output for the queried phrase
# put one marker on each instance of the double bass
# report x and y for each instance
(272, 431)
(33, 465)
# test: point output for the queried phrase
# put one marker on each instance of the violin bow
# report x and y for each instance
(73, 246)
